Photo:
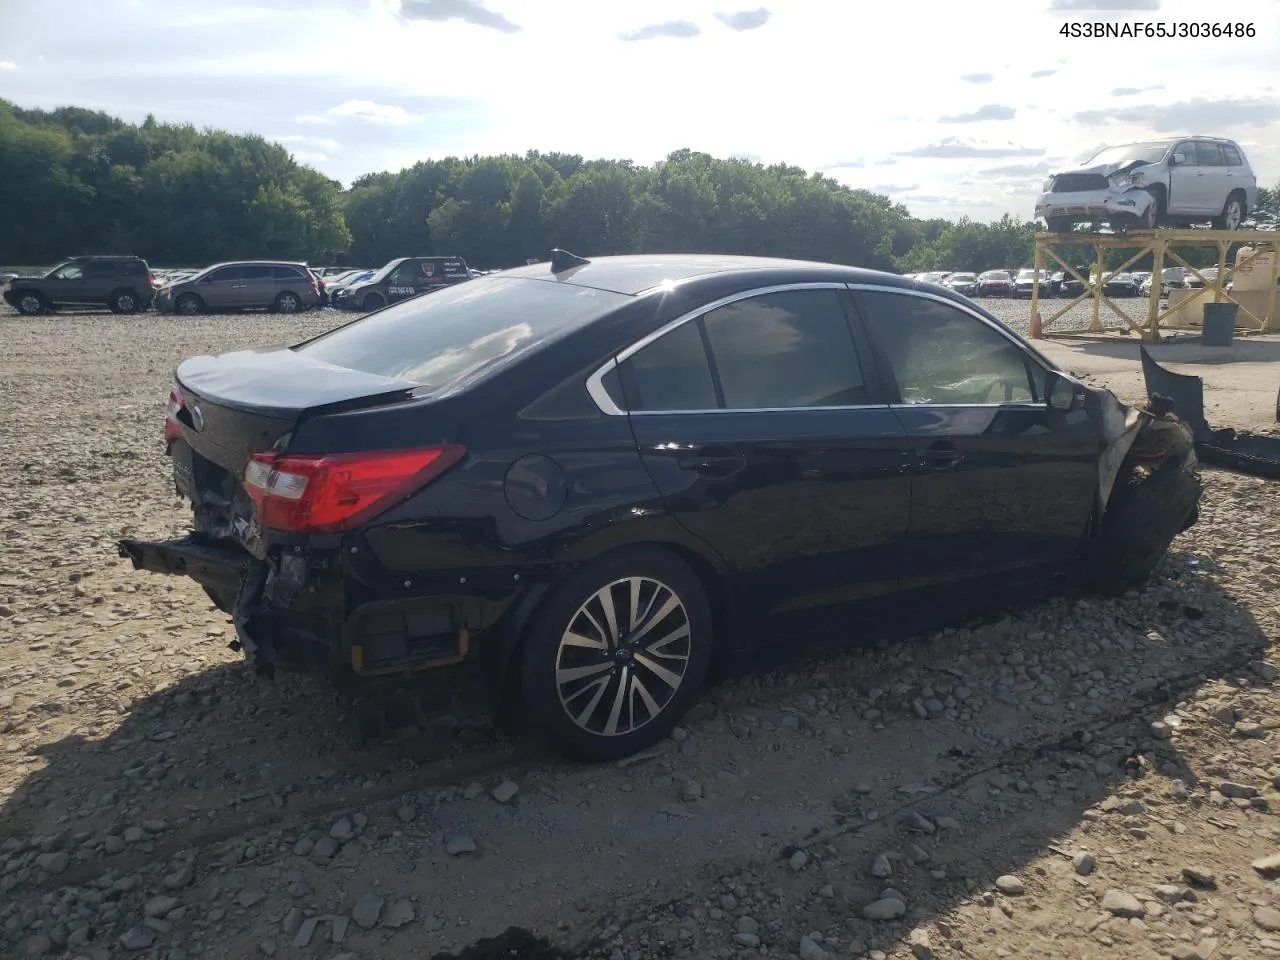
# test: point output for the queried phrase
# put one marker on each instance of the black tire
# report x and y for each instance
(1233, 212)
(1059, 224)
(287, 302)
(124, 301)
(549, 697)
(372, 302)
(1141, 522)
(189, 305)
(1161, 206)
(31, 303)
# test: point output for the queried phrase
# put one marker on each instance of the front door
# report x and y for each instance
(221, 290)
(1005, 487)
(755, 422)
(67, 285)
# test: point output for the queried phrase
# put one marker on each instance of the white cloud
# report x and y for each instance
(8, 65)
(326, 144)
(374, 112)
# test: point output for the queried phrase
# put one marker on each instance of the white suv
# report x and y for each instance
(1174, 182)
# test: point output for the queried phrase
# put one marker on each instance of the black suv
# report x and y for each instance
(401, 279)
(123, 284)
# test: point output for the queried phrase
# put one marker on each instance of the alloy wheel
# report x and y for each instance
(125, 303)
(30, 304)
(288, 303)
(623, 656)
(1233, 215)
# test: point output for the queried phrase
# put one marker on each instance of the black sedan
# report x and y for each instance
(601, 481)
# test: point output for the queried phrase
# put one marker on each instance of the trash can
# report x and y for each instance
(1219, 324)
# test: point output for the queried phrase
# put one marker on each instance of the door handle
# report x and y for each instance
(940, 456)
(713, 461)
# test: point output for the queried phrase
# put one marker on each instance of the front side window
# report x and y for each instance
(224, 275)
(256, 271)
(72, 271)
(787, 349)
(938, 354)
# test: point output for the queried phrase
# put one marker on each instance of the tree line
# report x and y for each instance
(79, 181)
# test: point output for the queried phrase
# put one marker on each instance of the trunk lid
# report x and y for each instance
(241, 403)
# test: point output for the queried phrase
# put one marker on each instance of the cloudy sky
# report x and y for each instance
(950, 108)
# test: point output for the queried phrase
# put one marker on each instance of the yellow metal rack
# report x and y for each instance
(1161, 246)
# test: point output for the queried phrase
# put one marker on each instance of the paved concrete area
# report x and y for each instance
(1240, 381)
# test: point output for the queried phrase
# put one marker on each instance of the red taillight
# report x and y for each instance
(325, 494)
(151, 280)
(172, 429)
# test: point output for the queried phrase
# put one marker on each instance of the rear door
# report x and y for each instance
(1187, 187)
(755, 420)
(1005, 487)
(101, 279)
(258, 285)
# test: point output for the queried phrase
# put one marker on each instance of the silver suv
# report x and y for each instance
(1174, 182)
(282, 286)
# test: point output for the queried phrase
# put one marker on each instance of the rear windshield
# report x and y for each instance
(451, 337)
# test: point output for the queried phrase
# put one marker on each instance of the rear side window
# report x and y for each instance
(1231, 155)
(462, 332)
(672, 373)
(1208, 154)
(102, 271)
(287, 273)
(787, 349)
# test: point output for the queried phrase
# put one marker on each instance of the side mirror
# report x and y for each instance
(1066, 395)
(1178, 159)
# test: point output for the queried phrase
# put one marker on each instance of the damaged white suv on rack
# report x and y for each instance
(1176, 182)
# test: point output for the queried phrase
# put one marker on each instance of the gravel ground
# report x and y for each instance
(1085, 778)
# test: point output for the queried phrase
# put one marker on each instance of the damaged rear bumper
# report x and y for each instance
(332, 610)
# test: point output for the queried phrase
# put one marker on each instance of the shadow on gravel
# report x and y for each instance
(221, 755)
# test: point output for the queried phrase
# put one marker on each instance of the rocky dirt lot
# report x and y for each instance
(1084, 778)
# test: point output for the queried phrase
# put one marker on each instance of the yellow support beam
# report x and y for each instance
(1160, 245)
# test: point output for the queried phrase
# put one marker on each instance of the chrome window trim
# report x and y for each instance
(598, 393)
(999, 328)
(595, 382)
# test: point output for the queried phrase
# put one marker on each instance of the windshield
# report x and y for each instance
(382, 274)
(995, 275)
(461, 332)
(962, 277)
(1150, 152)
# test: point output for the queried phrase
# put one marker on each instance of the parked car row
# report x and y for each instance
(1021, 283)
(126, 284)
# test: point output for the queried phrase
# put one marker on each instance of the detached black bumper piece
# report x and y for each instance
(213, 567)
